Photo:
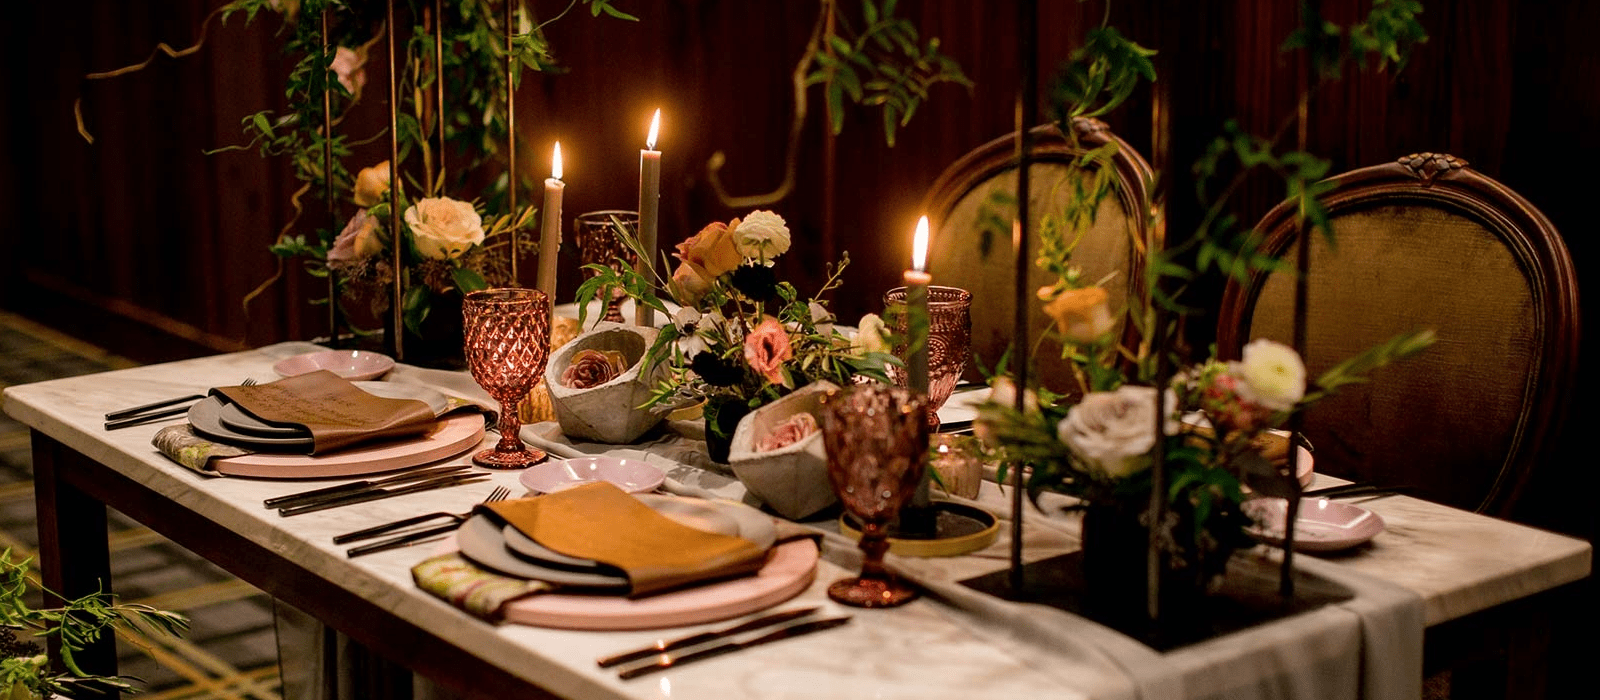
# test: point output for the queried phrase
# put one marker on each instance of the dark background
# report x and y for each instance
(147, 246)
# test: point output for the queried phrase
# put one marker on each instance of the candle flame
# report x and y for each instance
(555, 163)
(919, 246)
(655, 128)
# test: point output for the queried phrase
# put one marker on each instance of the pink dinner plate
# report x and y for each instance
(354, 365)
(452, 436)
(790, 568)
(630, 475)
(1323, 526)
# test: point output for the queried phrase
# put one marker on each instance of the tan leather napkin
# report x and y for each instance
(338, 414)
(601, 522)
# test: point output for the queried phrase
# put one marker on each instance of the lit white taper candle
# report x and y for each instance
(649, 212)
(550, 229)
(916, 281)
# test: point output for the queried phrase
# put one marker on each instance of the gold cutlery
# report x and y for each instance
(729, 647)
(703, 637)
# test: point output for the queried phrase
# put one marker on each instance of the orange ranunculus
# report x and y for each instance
(766, 349)
(1082, 315)
(712, 250)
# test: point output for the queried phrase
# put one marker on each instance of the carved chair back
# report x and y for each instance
(1426, 241)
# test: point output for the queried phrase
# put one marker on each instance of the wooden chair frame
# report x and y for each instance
(1446, 182)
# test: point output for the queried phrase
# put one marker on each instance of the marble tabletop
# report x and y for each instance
(942, 646)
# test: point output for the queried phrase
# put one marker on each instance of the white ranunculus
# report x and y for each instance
(1272, 375)
(762, 236)
(1113, 430)
(444, 228)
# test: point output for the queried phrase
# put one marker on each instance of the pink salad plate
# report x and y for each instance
(790, 568)
(452, 436)
(630, 475)
(1323, 526)
(354, 365)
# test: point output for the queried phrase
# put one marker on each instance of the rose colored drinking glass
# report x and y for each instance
(598, 243)
(949, 341)
(876, 439)
(507, 343)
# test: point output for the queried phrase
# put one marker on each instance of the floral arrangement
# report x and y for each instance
(1206, 428)
(444, 248)
(741, 337)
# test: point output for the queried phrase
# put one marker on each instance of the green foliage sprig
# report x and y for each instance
(76, 624)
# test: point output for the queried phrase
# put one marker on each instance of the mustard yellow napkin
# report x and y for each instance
(338, 414)
(601, 522)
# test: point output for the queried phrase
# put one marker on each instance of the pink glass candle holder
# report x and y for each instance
(949, 341)
(507, 344)
(599, 244)
(876, 440)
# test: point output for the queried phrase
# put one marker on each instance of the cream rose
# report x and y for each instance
(1112, 431)
(1083, 316)
(1272, 373)
(761, 236)
(869, 336)
(444, 228)
(372, 184)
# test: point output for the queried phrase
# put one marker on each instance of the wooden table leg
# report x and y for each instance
(73, 555)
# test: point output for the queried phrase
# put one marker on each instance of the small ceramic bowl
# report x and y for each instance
(793, 479)
(354, 365)
(610, 413)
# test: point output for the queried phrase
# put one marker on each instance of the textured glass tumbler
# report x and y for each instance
(876, 440)
(507, 344)
(949, 341)
(598, 244)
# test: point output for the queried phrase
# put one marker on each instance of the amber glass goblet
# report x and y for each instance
(599, 244)
(876, 440)
(949, 341)
(507, 343)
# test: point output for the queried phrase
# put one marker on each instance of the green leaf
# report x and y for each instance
(468, 280)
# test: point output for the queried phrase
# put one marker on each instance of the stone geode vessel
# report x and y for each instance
(793, 479)
(609, 413)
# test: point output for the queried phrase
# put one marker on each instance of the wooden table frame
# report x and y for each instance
(72, 492)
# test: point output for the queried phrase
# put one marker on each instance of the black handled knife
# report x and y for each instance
(294, 499)
(729, 647)
(703, 637)
(364, 496)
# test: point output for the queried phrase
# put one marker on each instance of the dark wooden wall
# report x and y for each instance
(143, 243)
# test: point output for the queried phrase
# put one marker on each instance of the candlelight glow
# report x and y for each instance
(919, 246)
(655, 128)
(555, 166)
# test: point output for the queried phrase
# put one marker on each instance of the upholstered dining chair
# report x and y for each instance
(1426, 241)
(971, 243)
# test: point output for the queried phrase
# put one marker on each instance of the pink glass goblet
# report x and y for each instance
(507, 343)
(876, 439)
(949, 341)
(599, 244)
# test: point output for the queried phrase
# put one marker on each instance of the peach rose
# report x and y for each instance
(1082, 315)
(712, 250)
(591, 368)
(372, 184)
(797, 428)
(767, 348)
(358, 240)
(689, 284)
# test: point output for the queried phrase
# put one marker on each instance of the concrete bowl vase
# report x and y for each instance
(793, 479)
(609, 413)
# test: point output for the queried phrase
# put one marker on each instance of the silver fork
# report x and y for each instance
(455, 520)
